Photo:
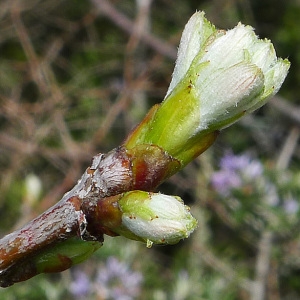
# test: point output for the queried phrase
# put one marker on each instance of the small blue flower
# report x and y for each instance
(81, 286)
(235, 171)
(242, 163)
(233, 162)
(116, 281)
(290, 205)
(224, 180)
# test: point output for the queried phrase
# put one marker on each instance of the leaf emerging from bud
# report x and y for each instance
(219, 76)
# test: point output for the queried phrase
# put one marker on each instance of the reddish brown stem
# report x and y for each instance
(60, 221)
(121, 170)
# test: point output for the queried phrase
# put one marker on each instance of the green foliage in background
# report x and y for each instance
(73, 83)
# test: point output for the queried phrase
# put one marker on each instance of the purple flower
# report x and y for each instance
(290, 205)
(235, 169)
(233, 162)
(117, 281)
(242, 163)
(224, 180)
(81, 285)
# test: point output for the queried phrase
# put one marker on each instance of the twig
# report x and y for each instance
(288, 148)
(104, 7)
(37, 70)
(262, 266)
(265, 244)
(221, 267)
(76, 213)
(289, 110)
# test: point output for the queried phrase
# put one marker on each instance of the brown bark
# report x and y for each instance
(121, 170)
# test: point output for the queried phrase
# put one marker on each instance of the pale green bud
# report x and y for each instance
(230, 72)
(219, 76)
(155, 218)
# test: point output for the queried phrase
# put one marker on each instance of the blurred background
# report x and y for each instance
(77, 76)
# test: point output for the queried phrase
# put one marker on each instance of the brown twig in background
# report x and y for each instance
(106, 8)
(288, 109)
(264, 255)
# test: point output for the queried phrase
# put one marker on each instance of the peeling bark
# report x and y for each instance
(118, 171)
